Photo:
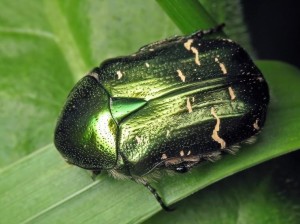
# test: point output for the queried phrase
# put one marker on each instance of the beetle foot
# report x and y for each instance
(95, 173)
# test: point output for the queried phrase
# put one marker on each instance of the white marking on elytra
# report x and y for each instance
(168, 133)
(95, 75)
(120, 74)
(138, 139)
(189, 153)
(195, 51)
(222, 66)
(189, 105)
(181, 75)
(215, 134)
(228, 40)
(231, 93)
(188, 44)
(147, 65)
(164, 156)
(255, 125)
(181, 153)
(260, 79)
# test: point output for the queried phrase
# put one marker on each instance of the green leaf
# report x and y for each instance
(192, 15)
(230, 12)
(189, 15)
(54, 192)
(268, 193)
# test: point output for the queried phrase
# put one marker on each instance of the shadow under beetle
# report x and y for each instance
(171, 105)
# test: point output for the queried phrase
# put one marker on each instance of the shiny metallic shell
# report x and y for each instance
(171, 105)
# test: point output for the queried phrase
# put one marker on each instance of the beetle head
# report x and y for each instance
(86, 132)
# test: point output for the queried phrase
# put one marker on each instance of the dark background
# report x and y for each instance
(274, 26)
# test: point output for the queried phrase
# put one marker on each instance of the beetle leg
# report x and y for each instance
(95, 173)
(155, 194)
(202, 33)
(213, 156)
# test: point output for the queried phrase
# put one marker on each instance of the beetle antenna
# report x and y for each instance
(155, 194)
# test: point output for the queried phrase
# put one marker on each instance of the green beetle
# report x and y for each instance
(171, 105)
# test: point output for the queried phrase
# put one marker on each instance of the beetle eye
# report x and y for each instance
(86, 132)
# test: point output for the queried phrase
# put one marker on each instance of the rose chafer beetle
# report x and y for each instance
(171, 105)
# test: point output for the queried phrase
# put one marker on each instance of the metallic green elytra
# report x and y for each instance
(171, 105)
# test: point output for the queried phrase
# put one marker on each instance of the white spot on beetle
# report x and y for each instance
(228, 40)
(195, 51)
(164, 156)
(138, 139)
(189, 105)
(260, 79)
(120, 74)
(255, 125)
(188, 44)
(181, 75)
(222, 66)
(147, 65)
(215, 134)
(231, 93)
(95, 75)
(181, 153)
